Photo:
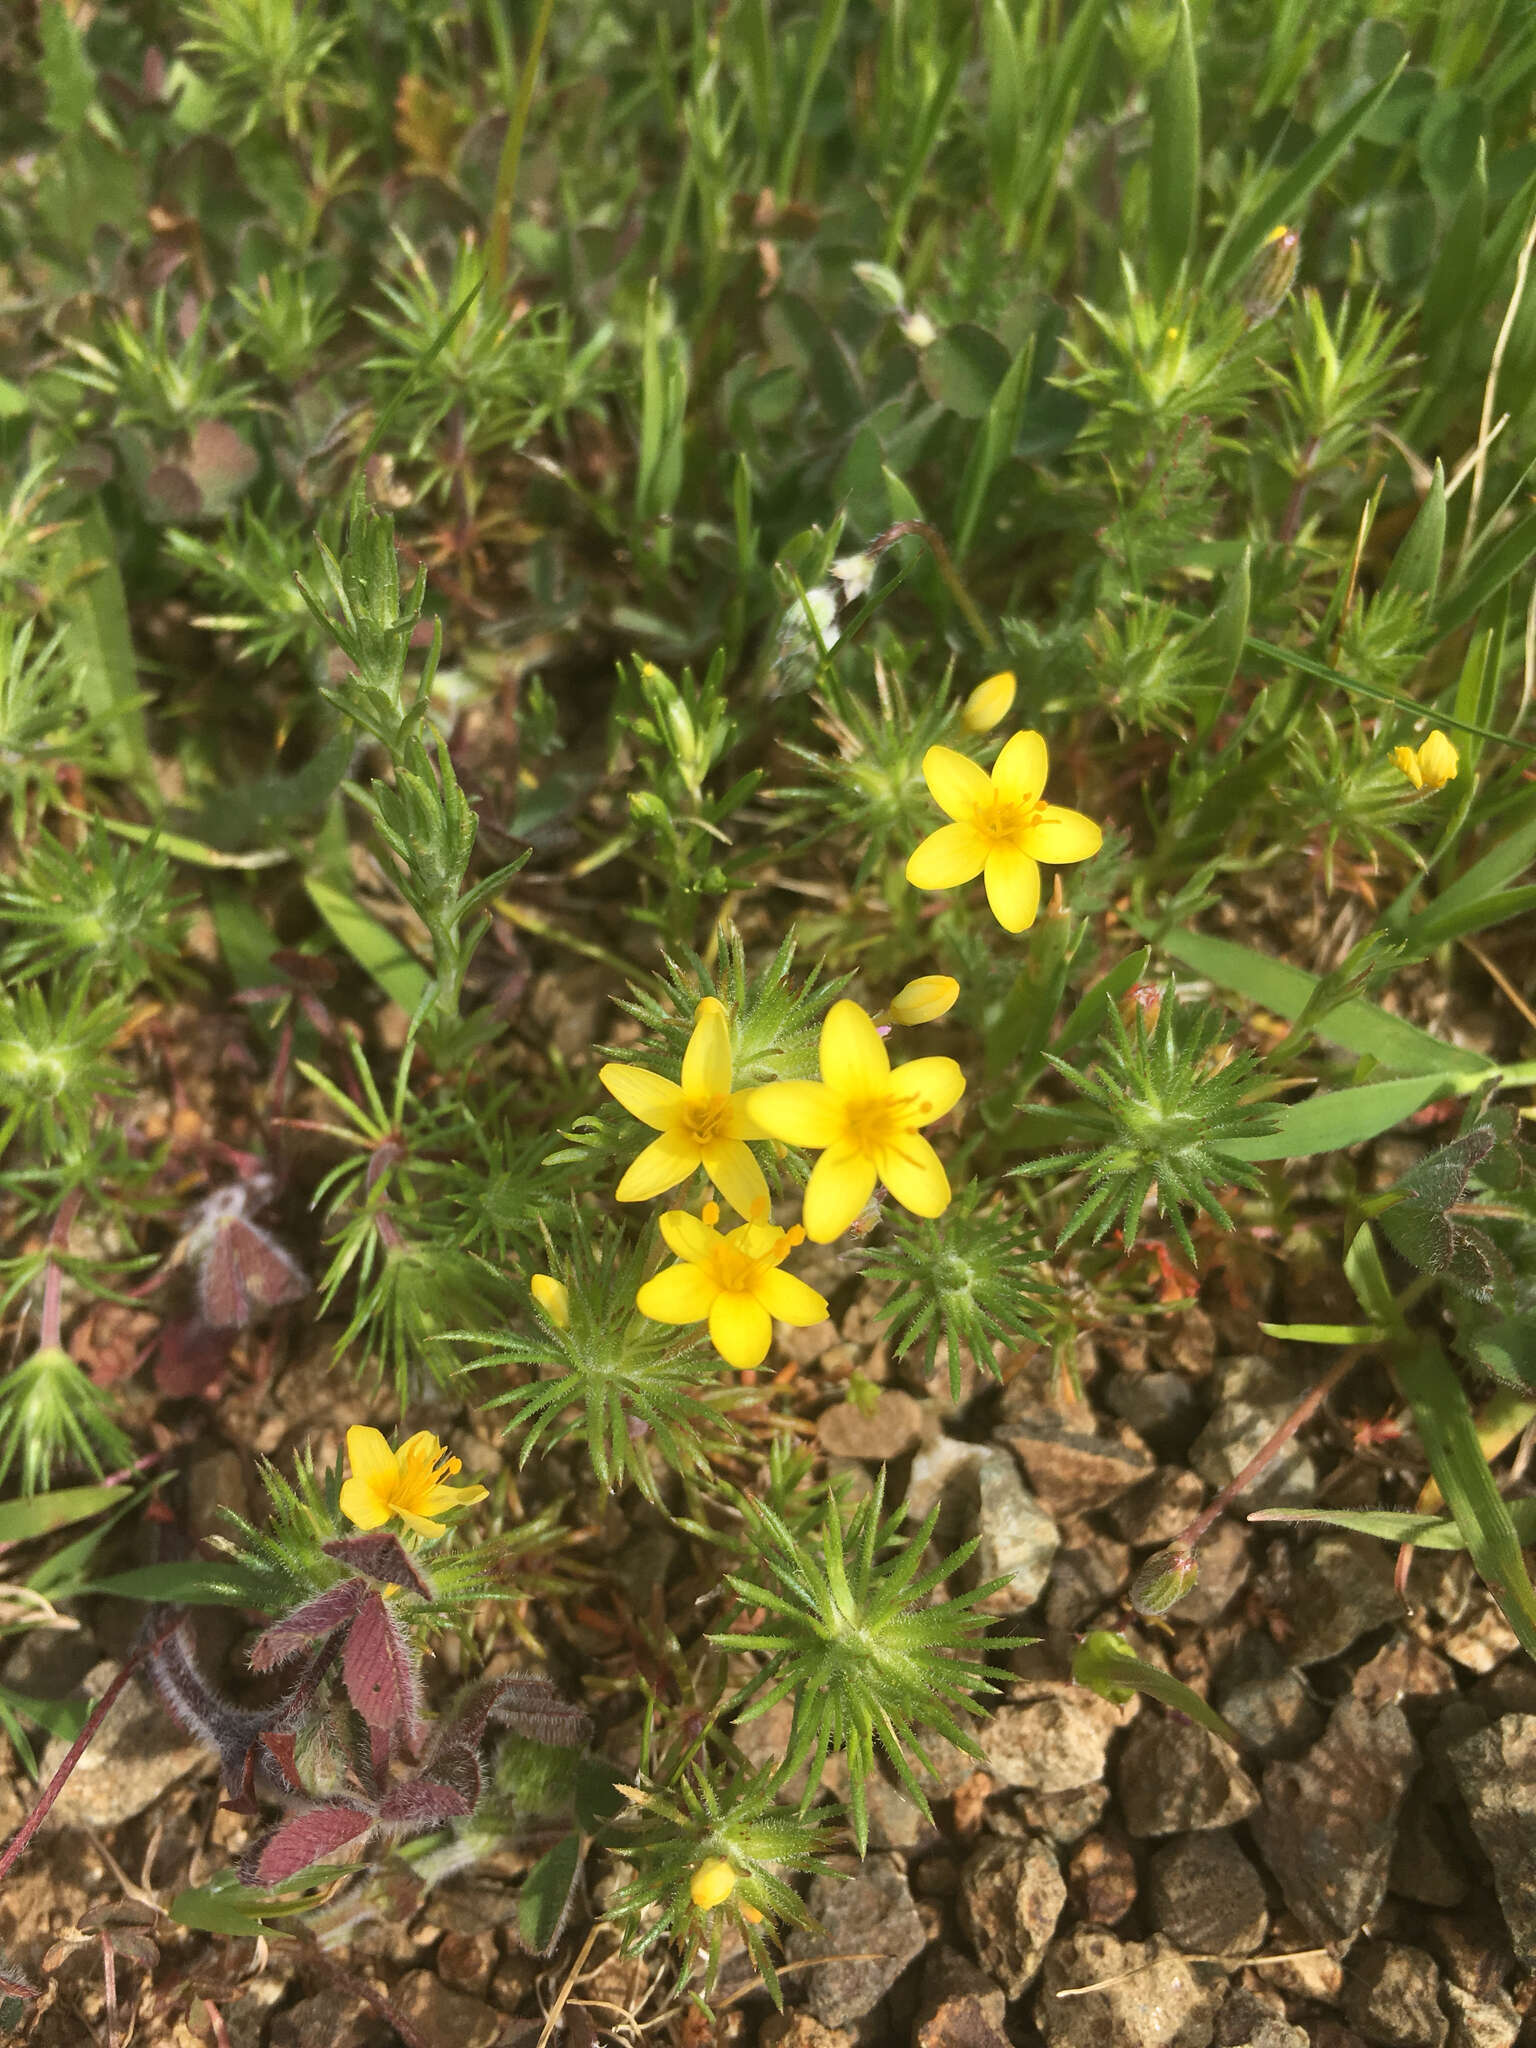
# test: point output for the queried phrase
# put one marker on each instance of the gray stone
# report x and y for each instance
(1391, 1995)
(1073, 1470)
(1087, 1580)
(1496, 1771)
(1269, 1705)
(1060, 1816)
(1011, 1896)
(1327, 1823)
(1479, 2022)
(1175, 1777)
(872, 1914)
(444, 2018)
(1206, 1896)
(1341, 1589)
(1160, 1406)
(1426, 1862)
(333, 2018)
(949, 1976)
(891, 1425)
(137, 1755)
(1101, 1878)
(1254, 1396)
(1017, 1539)
(1052, 1741)
(1151, 1996)
(1224, 1563)
(1248, 2020)
(1160, 1507)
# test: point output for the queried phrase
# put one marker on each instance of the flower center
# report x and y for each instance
(1002, 823)
(706, 1118)
(879, 1120)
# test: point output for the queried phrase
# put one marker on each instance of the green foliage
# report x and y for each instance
(109, 908)
(853, 1638)
(970, 1280)
(1163, 1104)
(51, 1416)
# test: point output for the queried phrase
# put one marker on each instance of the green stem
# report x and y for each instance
(511, 158)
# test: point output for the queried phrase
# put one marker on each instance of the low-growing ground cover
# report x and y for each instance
(768, 1006)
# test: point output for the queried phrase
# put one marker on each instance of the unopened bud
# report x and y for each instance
(990, 702)
(918, 329)
(1271, 274)
(712, 1883)
(1144, 1000)
(1164, 1580)
(553, 1298)
(924, 999)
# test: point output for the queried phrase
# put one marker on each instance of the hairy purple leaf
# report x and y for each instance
(305, 1839)
(380, 1556)
(193, 1704)
(421, 1803)
(333, 1609)
(379, 1671)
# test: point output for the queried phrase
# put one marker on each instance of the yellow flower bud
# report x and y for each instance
(553, 1298)
(712, 1883)
(1432, 765)
(989, 702)
(924, 999)
(751, 1915)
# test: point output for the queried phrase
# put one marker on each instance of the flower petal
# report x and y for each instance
(932, 1086)
(797, 1112)
(739, 1121)
(368, 1453)
(789, 1300)
(707, 1062)
(648, 1096)
(678, 1294)
(956, 783)
(689, 1236)
(664, 1162)
(948, 857)
(854, 1061)
(1019, 772)
(915, 1176)
(443, 1499)
(1013, 888)
(737, 1175)
(740, 1330)
(362, 1505)
(1060, 835)
(841, 1182)
(419, 1523)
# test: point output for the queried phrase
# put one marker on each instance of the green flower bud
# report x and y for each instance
(1164, 1579)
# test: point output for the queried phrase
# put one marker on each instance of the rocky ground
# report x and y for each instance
(1112, 1876)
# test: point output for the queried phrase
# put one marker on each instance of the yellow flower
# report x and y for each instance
(924, 999)
(553, 1297)
(701, 1123)
(865, 1121)
(734, 1281)
(712, 1883)
(1433, 765)
(989, 703)
(1001, 830)
(405, 1485)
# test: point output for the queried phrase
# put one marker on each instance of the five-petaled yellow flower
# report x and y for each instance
(404, 1485)
(734, 1281)
(1431, 765)
(702, 1123)
(1001, 829)
(865, 1121)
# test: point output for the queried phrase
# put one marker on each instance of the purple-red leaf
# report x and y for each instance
(307, 1838)
(279, 1745)
(421, 1803)
(333, 1609)
(378, 1669)
(531, 1706)
(380, 1556)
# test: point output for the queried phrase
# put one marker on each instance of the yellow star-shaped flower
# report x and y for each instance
(702, 1123)
(1001, 828)
(404, 1485)
(732, 1281)
(866, 1121)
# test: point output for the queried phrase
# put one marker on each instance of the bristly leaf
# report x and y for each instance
(333, 1609)
(380, 1670)
(306, 1839)
(381, 1556)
